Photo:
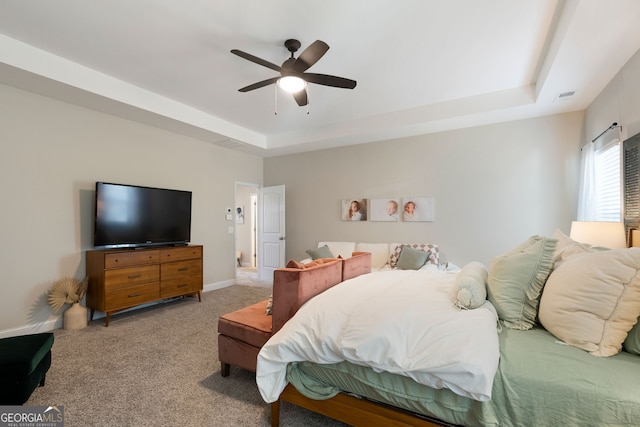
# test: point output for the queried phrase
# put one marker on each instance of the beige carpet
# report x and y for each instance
(249, 276)
(158, 366)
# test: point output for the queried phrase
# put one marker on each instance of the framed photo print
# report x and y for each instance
(386, 210)
(240, 215)
(416, 209)
(354, 209)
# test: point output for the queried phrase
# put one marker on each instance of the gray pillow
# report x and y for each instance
(321, 252)
(516, 280)
(632, 343)
(412, 259)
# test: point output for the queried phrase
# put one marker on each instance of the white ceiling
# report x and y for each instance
(422, 66)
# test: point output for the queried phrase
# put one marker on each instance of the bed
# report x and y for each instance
(545, 376)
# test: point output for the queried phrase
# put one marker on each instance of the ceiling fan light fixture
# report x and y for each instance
(291, 84)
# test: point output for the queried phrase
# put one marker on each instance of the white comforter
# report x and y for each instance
(398, 321)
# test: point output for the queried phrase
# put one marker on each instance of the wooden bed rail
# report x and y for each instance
(351, 410)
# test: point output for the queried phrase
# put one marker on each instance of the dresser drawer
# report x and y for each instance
(180, 286)
(179, 254)
(132, 295)
(123, 277)
(175, 270)
(127, 259)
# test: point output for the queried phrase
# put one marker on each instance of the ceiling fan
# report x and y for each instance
(293, 77)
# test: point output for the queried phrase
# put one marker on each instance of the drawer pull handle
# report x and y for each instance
(133, 295)
(135, 276)
(183, 285)
(183, 269)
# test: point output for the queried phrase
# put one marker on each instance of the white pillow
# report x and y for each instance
(592, 301)
(379, 253)
(470, 287)
(343, 249)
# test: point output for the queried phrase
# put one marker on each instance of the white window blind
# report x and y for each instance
(608, 189)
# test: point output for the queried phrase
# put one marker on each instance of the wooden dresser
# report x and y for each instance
(123, 278)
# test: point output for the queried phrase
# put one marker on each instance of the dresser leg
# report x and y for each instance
(106, 322)
(199, 299)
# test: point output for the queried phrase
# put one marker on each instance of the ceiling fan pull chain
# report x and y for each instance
(275, 104)
(308, 103)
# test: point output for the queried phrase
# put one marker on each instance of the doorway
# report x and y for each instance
(245, 210)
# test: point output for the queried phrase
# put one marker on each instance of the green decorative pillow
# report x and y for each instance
(632, 343)
(412, 259)
(516, 280)
(567, 248)
(321, 252)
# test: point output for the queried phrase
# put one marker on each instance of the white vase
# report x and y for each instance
(75, 317)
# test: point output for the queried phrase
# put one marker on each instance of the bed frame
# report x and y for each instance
(343, 407)
(352, 410)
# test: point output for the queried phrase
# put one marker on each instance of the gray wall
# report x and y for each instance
(493, 187)
(619, 102)
(51, 155)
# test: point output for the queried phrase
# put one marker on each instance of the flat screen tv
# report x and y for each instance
(135, 216)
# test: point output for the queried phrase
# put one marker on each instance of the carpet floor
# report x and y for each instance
(158, 366)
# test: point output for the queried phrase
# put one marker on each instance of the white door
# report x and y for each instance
(271, 226)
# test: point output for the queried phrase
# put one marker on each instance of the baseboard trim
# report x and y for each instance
(50, 325)
(218, 285)
(37, 328)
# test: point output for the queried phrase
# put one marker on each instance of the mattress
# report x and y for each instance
(367, 320)
(540, 382)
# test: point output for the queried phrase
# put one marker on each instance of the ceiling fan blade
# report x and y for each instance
(259, 84)
(257, 60)
(301, 97)
(327, 80)
(310, 55)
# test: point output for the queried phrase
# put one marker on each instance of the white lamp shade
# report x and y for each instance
(291, 84)
(599, 233)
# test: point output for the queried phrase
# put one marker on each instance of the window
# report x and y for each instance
(608, 206)
(600, 195)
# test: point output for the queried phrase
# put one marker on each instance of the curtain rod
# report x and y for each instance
(614, 125)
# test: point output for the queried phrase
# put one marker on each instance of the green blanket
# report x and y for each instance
(540, 382)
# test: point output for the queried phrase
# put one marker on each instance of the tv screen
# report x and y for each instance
(132, 216)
